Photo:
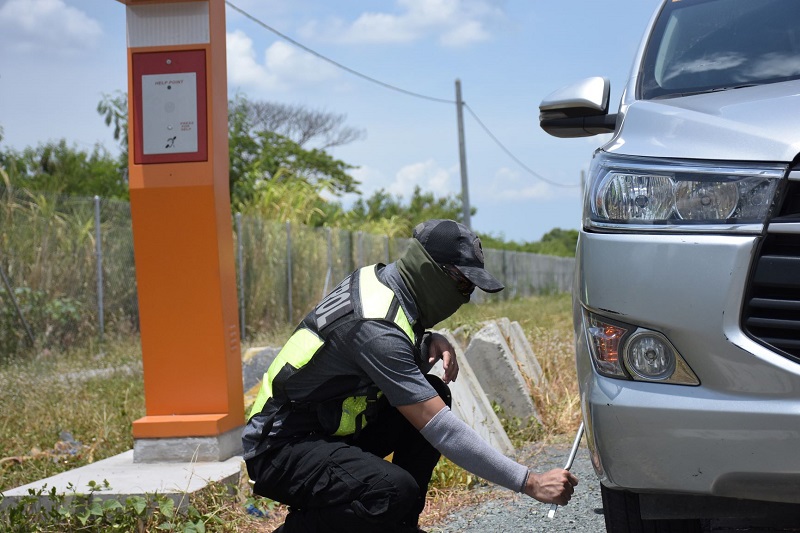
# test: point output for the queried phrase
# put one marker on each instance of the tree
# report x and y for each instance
(386, 214)
(301, 125)
(114, 110)
(57, 167)
(287, 199)
(266, 139)
(559, 242)
(257, 156)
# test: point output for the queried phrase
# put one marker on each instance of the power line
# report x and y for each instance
(398, 89)
(332, 62)
(512, 156)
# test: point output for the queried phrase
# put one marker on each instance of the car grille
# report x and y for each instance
(772, 306)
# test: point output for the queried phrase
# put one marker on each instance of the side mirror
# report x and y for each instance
(578, 110)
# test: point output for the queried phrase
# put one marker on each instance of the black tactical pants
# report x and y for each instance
(345, 485)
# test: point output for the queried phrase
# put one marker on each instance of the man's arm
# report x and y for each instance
(462, 445)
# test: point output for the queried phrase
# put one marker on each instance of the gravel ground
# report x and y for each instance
(510, 512)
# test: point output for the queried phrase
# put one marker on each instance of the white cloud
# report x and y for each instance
(509, 186)
(284, 66)
(371, 179)
(46, 25)
(453, 22)
(427, 174)
(469, 32)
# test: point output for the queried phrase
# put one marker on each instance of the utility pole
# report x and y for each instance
(462, 153)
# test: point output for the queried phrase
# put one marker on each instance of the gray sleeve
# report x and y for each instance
(462, 445)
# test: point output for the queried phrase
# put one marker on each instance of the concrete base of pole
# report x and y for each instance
(126, 478)
(188, 449)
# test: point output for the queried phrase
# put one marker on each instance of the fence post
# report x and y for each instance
(505, 273)
(514, 280)
(98, 250)
(386, 247)
(239, 257)
(289, 267)
(329, 273)
(7, 285)
(360, 248)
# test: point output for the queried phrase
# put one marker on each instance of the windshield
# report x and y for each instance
(707, 45)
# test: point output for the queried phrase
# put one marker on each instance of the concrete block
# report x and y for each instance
(255, 362)
(470, 403)
(188, 449)
(523, 353)
(504, 324)
(461, 335)
(499, 375)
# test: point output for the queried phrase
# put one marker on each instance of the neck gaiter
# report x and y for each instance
(434, 292)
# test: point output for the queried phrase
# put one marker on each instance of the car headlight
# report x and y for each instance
(659, 194)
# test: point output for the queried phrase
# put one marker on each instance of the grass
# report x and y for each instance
(547, 322)
(64, 410)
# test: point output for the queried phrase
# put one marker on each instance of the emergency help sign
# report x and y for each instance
(169, 107)
(169, 113)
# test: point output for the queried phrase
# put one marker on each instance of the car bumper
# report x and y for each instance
(737, 434)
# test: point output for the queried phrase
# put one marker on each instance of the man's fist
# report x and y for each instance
(555, 486)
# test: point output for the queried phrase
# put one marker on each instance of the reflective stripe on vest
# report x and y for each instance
(297, 351)
(375, 302)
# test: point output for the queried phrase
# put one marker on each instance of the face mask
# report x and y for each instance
(435, 293)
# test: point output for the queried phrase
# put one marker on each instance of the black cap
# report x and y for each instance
(451, 243)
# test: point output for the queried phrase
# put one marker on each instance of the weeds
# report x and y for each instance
(46, 511)
(66, 409)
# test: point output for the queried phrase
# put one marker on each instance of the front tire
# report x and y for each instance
(622, 515)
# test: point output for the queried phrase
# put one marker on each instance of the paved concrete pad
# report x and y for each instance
(127, 478)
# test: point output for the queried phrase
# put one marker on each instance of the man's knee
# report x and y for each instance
(389, 499)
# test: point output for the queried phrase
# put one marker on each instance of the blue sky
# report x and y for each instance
(58, 57)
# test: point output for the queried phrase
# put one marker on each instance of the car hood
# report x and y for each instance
(746, 124)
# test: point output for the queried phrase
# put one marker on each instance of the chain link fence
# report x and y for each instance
(67, 272)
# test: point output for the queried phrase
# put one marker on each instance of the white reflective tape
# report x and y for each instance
(170, 24)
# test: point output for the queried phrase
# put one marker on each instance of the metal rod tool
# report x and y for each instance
(552, 512)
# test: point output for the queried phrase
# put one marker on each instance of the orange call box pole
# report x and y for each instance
(182, 232)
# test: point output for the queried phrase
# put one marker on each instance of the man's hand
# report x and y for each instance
(555, 486)
(440, 348)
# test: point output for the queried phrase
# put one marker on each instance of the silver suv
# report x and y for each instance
(687, 290)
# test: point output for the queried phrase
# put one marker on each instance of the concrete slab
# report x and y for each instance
(127, 478)
(497, 371)
(255, 362)
(523, 353)
(470, 403)
(188, 449)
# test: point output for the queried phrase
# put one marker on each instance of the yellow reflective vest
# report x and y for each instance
(360, 296)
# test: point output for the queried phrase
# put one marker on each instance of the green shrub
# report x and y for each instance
(56, 322)
(46, 511)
